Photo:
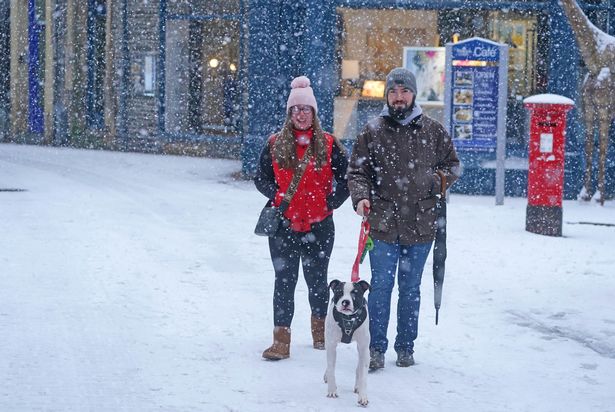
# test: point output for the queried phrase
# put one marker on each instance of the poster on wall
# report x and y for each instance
(428, 65)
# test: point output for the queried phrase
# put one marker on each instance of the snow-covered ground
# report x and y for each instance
(132, 282)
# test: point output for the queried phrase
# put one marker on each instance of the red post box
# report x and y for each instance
(545, 180)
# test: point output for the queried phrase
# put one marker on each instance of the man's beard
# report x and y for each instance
(400, 113)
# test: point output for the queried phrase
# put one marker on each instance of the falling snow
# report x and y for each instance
(133, 282)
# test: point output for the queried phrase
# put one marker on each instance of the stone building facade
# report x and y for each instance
(211, 77)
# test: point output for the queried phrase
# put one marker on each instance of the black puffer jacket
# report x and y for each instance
(395, 167)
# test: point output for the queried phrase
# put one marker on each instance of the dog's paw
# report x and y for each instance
(332, 394)
(363, 400)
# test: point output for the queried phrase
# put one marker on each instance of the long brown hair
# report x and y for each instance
(284, 149)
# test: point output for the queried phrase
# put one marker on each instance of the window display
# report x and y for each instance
(371, 45)
(519, 35)
(201, 88)
(372, 42)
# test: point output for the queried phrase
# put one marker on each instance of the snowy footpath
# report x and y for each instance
(132, 282)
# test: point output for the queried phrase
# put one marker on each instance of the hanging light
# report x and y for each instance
(213, 63)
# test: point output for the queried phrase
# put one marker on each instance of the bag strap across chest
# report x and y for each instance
(298, 174)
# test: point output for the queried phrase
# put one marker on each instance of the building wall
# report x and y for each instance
(563, 74)
(141, 111)
(278, 41)
(19, 68)
(5, 36)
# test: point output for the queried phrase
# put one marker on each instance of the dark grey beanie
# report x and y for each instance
(401, 76)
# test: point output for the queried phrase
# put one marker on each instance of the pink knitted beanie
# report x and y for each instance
(301, 93)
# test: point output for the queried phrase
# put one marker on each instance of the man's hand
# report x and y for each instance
(363, 207)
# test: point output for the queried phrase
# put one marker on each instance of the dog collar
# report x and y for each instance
(350, 323)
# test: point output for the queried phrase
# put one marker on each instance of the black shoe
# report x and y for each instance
(404, 359)
(376, 360)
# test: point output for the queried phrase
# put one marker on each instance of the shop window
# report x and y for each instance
(149, 75)
(519, 33)
(201, 87)
(526, 74)
(598, 13)
(96, 28)
(371, 43)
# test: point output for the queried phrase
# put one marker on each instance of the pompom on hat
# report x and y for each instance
(301, 93)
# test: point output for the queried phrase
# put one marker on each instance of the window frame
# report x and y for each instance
(235, 135)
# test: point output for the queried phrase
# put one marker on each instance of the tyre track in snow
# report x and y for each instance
(582, 338)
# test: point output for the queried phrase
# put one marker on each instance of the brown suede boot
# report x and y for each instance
(318, 333)
(281, 344)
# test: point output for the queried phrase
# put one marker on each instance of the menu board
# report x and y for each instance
(474, 116)
(475, 99)
(475, 102)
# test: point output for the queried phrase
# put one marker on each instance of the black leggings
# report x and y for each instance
(314, 250)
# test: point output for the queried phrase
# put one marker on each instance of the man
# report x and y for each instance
(400, 163)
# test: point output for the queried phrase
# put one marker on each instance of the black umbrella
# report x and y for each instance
(439, 253)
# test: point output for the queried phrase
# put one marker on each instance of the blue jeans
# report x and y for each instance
(384, 258)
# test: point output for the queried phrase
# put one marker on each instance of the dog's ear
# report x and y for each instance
(334, 283)
(364, 285)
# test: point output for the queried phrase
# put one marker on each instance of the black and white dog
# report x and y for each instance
(347, 321)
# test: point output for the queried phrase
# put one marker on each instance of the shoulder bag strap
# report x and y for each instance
(294, 184)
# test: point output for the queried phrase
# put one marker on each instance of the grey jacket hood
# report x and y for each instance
(416, 112)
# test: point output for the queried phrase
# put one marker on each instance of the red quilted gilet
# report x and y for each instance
(309, 204)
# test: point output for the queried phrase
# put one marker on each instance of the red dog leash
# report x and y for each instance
(365, 244)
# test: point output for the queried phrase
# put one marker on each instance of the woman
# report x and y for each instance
(307, 232)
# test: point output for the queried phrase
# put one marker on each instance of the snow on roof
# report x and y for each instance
(548, 98)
